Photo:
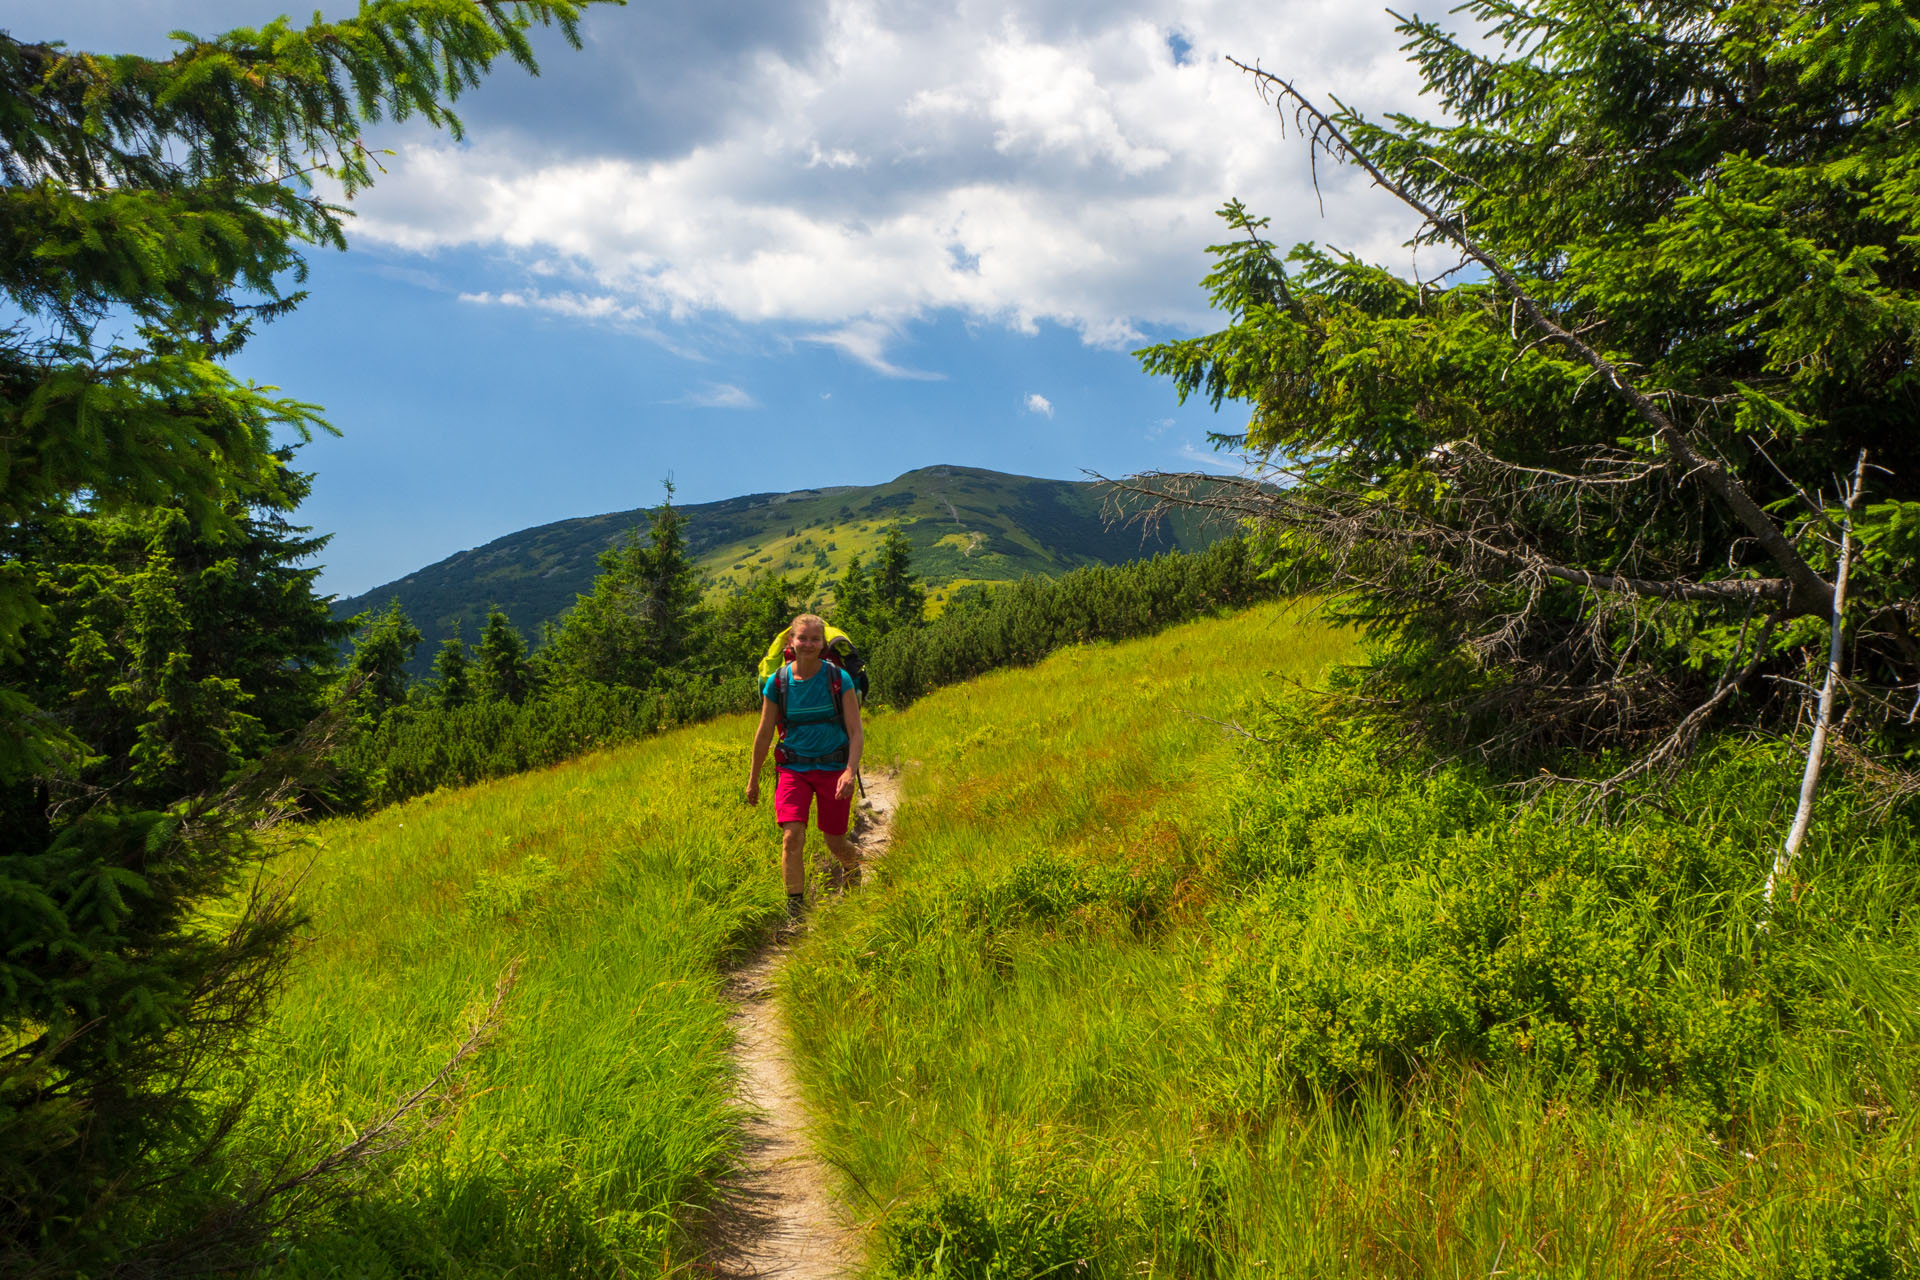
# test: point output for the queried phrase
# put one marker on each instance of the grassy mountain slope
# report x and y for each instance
(964, 524)
(1138, 993)
(1142, 996)
(623, 883)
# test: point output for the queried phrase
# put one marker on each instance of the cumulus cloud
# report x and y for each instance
(1037, 403)
(1016, 162)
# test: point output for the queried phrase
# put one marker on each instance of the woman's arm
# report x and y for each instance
(856, 740)
(762, 739)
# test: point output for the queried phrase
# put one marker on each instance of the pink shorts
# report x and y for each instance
(796, 789)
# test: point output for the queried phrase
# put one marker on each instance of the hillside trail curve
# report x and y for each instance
(779, 1217)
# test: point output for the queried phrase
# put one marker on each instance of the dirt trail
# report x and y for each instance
(779, 1217)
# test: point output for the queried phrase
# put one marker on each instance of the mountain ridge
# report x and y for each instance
(965, 524)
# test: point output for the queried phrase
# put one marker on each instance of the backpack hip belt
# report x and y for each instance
(781, 755)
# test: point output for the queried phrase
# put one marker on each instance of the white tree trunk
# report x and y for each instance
(1817, 748)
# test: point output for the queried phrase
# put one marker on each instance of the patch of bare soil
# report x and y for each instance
(780, 1217)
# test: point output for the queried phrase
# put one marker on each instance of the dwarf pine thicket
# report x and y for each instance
(415, 743)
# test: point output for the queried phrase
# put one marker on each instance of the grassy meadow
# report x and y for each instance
(1137, 992)
(1140, 997)
(592, 1129)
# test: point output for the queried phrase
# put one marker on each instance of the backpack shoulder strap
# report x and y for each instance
(839, 695)
(780, 680)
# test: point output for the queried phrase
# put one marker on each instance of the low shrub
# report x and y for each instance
(416, 749)
(1020, 624)
(1385, 919)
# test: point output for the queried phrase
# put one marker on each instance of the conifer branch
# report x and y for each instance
(1808, 593)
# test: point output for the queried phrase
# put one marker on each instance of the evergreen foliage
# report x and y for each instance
(740, 627)
(501, 657)
(155, 631)
(452, 674)
(898, 599)
(639, 624)
(424, 745)
(962, 522)
(1591, 481)
(421, 748)
(854, 606)
(1022, 623)
(377, 671)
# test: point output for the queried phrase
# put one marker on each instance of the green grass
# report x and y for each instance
(1135, 996)
(1138, 998)
(1001, 1023)
(592, 1130)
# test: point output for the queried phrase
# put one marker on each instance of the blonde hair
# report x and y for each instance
(810, 618)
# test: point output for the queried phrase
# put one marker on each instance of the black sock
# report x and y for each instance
(796, 904)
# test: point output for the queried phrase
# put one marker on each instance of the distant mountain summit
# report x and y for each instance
(965, 525)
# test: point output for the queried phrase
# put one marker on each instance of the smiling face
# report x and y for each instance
(808, 638)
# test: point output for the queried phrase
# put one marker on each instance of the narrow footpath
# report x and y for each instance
(780, 1217)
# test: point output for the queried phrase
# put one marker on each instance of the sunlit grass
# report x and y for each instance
(1013, 1039)
(594, 1127)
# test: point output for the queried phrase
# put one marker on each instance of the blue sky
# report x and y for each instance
(771, 244)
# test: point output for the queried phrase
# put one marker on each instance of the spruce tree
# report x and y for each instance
(637, 627)
(898, 600)
(171, 197)
(377, 671)
(669, 585)
(853, 605)
(452, 674)
(501, 659)
(1583, 485)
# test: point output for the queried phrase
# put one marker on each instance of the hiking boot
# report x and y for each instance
(796, 911)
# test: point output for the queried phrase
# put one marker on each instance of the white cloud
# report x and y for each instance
(718, 395)
(866, 341)
(1208, 458)
(1012, 161)
(1037, 403)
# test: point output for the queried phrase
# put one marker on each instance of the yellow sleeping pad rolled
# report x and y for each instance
(837, 640)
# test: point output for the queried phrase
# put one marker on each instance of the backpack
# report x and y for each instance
(839, 653)
(841, 661)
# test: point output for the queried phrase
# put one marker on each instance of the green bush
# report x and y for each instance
(1023, 623)
(417, 748)
(1384, 919)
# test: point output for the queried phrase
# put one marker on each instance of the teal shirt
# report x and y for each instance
(811, 697)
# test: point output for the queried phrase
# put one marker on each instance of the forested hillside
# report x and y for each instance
(963, 524)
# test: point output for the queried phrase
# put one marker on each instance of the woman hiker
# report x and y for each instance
(816, 710)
